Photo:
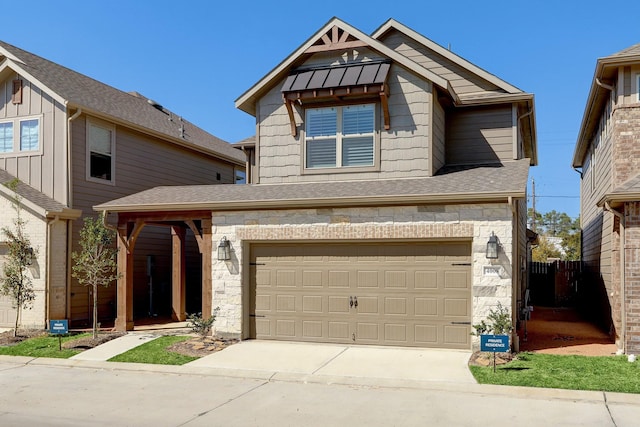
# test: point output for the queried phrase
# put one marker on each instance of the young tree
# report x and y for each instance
(16, 283)
(95, 264)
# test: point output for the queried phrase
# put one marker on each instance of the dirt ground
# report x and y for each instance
(553, 330)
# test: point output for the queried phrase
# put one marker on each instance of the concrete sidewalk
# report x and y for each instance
(114, 347)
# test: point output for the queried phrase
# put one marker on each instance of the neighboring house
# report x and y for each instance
(74, 142)
(608, 151)
(382, 166)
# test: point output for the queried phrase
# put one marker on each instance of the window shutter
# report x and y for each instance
(321, 153)
(16, 94)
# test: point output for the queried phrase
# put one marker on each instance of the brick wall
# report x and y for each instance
(36, 230)
(632, 277)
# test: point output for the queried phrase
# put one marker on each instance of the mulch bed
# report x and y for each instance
(483, 358)
(201, 346)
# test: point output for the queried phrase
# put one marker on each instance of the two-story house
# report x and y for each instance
(74, 142)
(386, 201)
(608, 153)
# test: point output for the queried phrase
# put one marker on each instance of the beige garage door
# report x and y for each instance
(405, 294)
(7, 313)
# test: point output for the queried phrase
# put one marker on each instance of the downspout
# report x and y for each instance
(47, 263)
(603, 85)
(623, 310)
(70, 205)
(515, 262)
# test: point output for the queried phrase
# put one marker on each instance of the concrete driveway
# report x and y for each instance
(325, 362)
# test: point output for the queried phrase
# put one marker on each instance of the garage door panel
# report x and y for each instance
(426, 279)
(286, 279)
(456, 279)
(367, 305)
(395, 306)
(395, 279)
(367, 279)
(312, 304)
(338, 304)
(339, 279)
(414, 294)
(285, 303)
(312, 279)
(339, 330)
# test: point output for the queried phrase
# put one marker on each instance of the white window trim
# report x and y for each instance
(638, 87)
(338, 137)
(16, 152)
(111, 127)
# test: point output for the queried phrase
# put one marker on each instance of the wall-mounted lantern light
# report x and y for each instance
(492, 247)
(224, 250)
(29, 256)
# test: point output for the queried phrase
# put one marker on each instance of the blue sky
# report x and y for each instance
(197, 57)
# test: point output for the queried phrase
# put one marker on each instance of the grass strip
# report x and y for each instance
(603, 373)
(156, 352)
(43, 346)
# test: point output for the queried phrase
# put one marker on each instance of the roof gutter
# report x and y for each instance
(391, 200)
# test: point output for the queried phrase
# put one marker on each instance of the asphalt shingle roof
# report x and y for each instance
(470, 182)
(631, 50)
(132, 108)
(31, 194)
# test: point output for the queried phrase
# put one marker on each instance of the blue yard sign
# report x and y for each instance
(58, 326)
(494, 343)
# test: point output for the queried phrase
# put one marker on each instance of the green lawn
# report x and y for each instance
(44, 346)
(607, 373)
(155, 352)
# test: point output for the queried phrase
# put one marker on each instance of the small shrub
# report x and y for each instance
(500, 319)
(202, 326)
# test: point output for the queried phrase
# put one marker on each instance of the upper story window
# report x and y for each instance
(6, 137)
(20, 135)
(29, 135)
(340, 136)
(100, 151)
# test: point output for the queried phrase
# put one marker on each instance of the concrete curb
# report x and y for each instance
(482, 389)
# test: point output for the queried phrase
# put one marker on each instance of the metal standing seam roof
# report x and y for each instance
(335, 77)
(463, 183)
(131, 108)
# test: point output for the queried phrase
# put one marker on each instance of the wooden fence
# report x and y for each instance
(554, 284)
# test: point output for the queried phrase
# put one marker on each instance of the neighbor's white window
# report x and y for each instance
(6, 137)
(29, 135)
(100, 151)
(20, 134)
(340, 136)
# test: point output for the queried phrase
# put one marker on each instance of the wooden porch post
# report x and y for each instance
(206, 247)
(178, 275)
(124, 319)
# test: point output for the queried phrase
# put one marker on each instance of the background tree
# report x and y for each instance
(561, 225)
(544, 250)
(16, 283)
(95, 264)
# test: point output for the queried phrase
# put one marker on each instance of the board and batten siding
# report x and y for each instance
(141, 162)
(462, 80)
(479, 135)
(404, 150)
(439, 136)
(45, 169)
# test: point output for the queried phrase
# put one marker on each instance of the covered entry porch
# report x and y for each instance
(129, 227)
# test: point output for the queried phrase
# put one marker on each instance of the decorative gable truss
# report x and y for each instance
(363, 80)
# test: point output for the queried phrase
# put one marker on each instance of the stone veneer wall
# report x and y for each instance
(36, 230)
(473, 222)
